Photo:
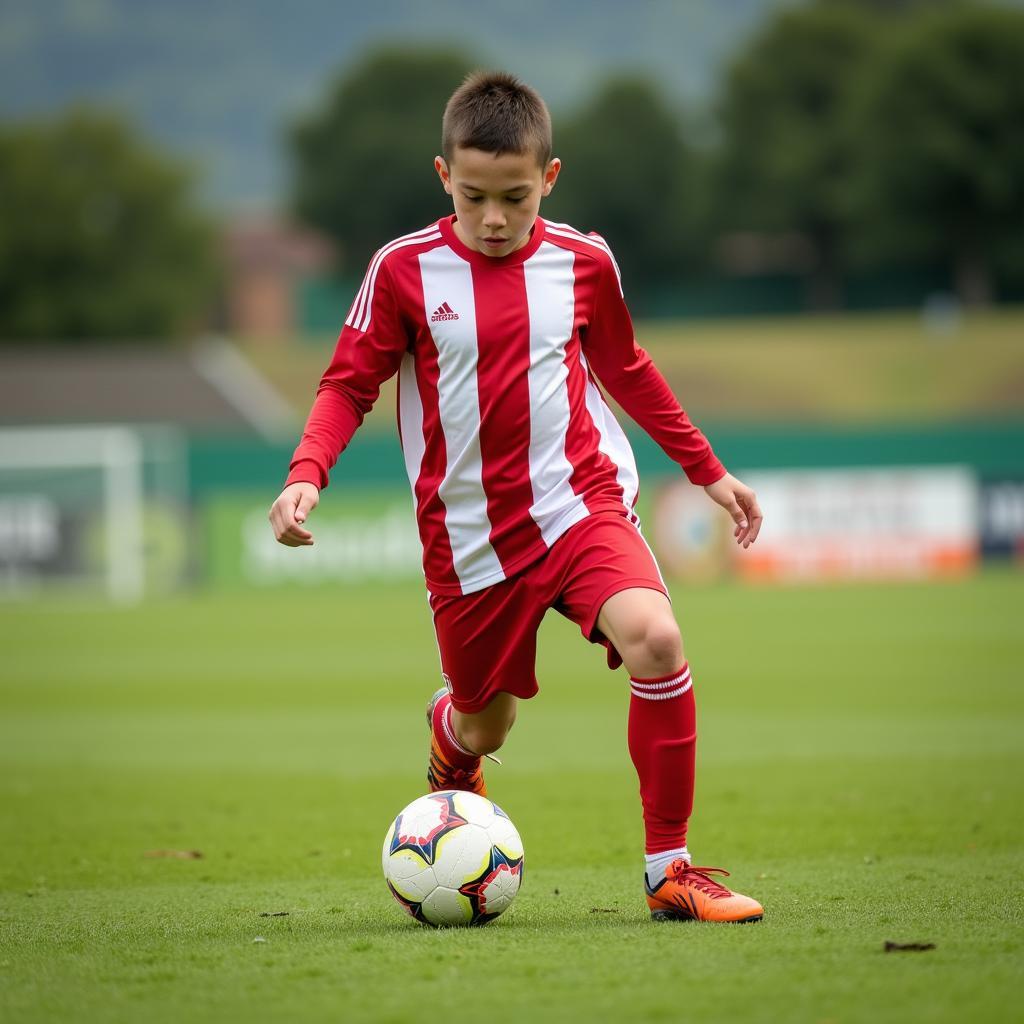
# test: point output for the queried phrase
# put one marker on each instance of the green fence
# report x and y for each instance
(219, 463)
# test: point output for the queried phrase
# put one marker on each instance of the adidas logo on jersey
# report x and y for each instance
(444, 312)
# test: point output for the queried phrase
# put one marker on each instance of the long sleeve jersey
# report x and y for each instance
(507, 438)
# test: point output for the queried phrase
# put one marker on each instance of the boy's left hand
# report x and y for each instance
(741, 503)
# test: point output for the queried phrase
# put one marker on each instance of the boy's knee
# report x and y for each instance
(663, 645)
(656, 648)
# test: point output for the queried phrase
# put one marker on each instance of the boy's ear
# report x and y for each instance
(443, 173)
(551, 175)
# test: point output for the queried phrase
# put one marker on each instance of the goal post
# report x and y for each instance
(73, 510)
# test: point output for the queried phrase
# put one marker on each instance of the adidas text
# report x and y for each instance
(444, 312)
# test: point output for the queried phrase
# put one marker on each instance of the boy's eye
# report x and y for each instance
(480, 199)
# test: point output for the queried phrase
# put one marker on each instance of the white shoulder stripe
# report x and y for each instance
(569, 232)
(611, 255)
(359, 314)
(358, 303)
(568, 229)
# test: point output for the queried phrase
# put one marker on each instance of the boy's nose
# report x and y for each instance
(493, 217)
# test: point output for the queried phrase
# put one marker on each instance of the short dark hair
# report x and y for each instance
(497, 113)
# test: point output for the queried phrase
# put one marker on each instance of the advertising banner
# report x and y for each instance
(893, 523)
(871, 523)
(690, 534)
(360, 535)
(1002, 519)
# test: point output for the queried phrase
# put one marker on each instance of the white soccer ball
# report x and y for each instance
(453, 858)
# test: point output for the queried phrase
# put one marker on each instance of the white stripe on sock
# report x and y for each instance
(662, 696)
(663, 685)
(662, 691)
(449, 731)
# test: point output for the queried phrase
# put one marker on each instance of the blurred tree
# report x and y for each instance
(784, 149)
(941, 126)
(363, 163)
(98, 237)
(627, 175)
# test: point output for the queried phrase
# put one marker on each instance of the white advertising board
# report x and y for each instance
(907, 522)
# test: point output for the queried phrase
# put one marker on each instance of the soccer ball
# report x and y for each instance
(453, 858)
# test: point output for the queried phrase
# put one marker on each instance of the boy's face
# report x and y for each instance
(496, 197)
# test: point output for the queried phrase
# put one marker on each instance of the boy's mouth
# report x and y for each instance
(495, 243)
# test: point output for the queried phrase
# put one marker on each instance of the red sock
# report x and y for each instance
(662, 744)
(444, 736)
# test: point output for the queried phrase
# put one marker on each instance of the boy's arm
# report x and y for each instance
(369, 350)
(633, 380)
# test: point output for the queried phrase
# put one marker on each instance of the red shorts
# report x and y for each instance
(488, 639)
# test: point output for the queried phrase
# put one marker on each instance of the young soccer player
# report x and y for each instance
(501, 325)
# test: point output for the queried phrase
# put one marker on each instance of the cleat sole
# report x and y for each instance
(668, 915)
(671, 915)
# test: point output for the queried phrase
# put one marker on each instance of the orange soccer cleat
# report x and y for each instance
(441, 774)
(688, 894)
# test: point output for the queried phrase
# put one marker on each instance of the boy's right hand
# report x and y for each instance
(291, 509)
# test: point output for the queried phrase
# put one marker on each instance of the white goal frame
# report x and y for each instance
(117, 451)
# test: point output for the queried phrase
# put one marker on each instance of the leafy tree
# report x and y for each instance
(626, 175)
(785, 150)
(98, 237)
(941, 124)
(363, 162)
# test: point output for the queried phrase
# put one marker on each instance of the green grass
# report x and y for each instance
(852, 369)
(860, 766)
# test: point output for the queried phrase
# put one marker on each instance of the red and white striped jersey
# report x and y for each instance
(507, 438)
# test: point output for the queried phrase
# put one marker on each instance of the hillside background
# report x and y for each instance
(222, 88)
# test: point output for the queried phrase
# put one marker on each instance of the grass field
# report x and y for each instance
(860, 767)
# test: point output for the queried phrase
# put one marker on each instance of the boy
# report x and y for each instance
(499, 325)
